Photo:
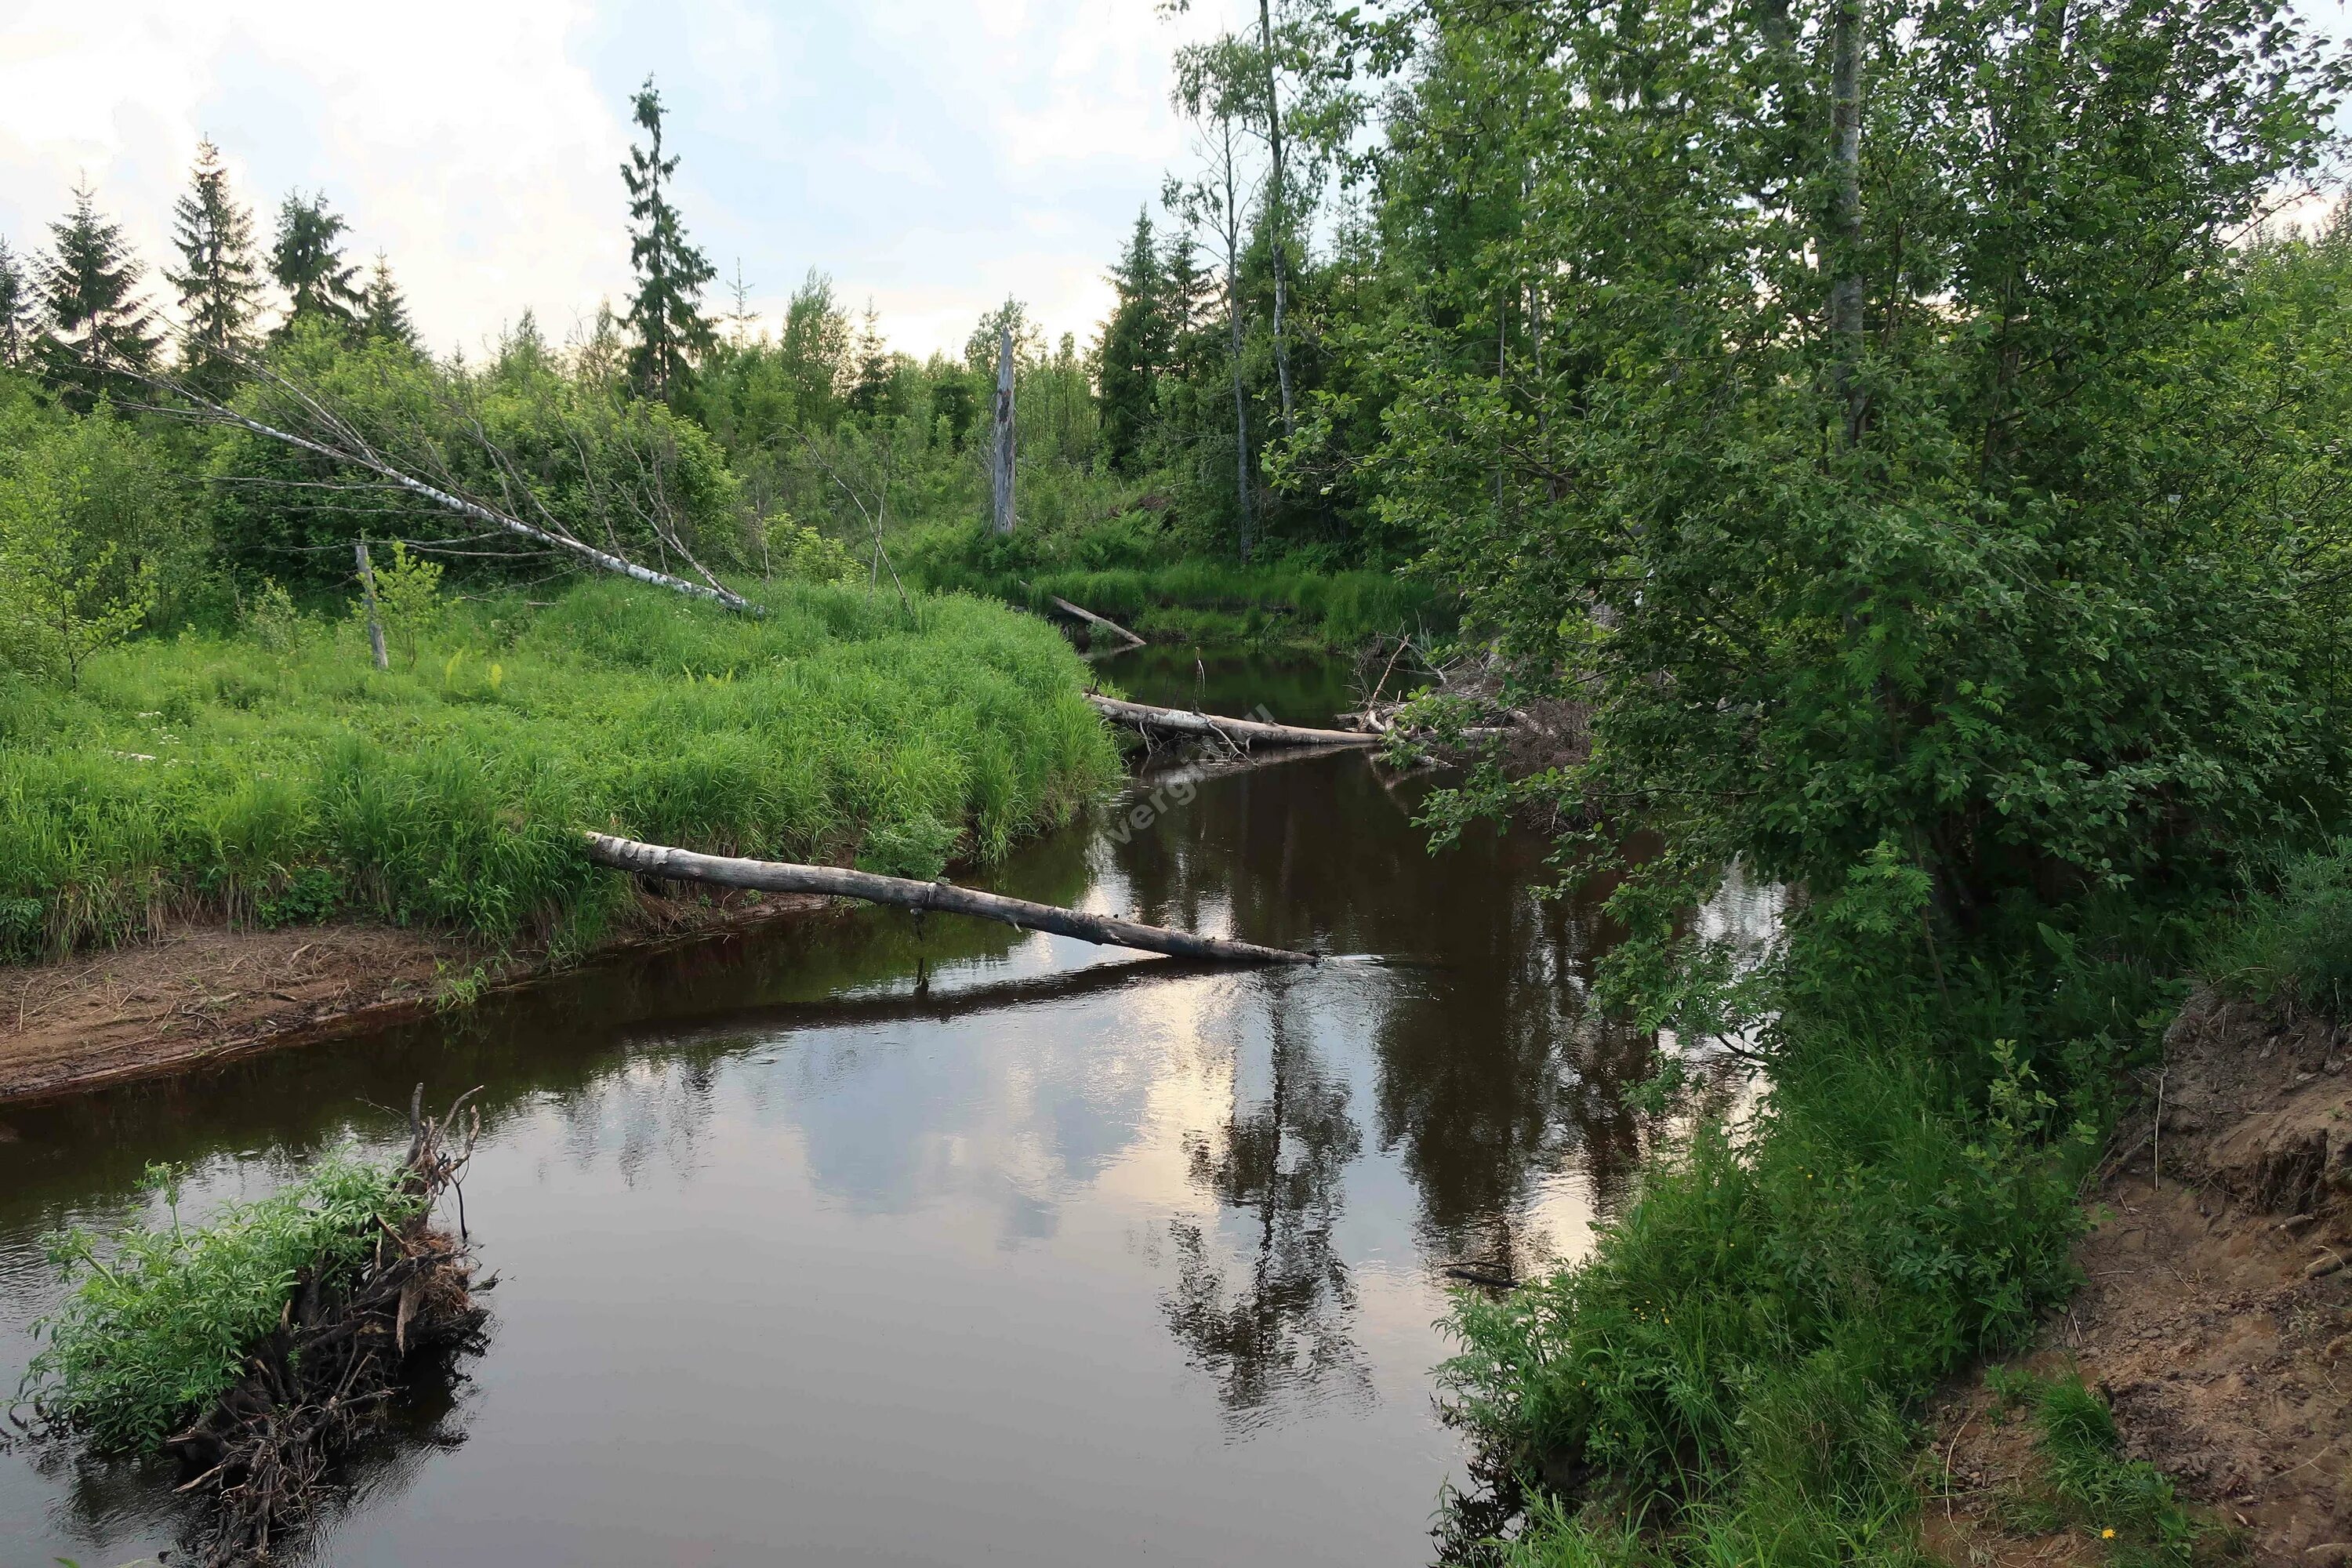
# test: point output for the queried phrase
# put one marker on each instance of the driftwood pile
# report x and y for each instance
(326, 1375)
(1467, 709)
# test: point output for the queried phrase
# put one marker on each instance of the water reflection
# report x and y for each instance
(1271, 1314)
(861, 1238)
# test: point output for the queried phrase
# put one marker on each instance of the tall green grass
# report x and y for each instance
(278, 775)
(2292, 940)
(1732, 1367)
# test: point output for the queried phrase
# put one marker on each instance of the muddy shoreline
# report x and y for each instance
(203, 994)
(2216, 1310)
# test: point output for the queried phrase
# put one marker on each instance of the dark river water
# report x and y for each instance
(860, 1242)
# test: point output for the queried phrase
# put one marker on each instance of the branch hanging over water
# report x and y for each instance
(783, 877)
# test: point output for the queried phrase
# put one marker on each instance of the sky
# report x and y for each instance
(934, 155)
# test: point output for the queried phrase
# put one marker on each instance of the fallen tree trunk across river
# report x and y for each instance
(1236, 731)
(782, 876)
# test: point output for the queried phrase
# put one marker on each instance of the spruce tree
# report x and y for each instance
(97, 326)
(308, 262)
(384, 310)
(15, 311)
(877, 369)
(219, 277)
(665, 314)
(1185, 287)
(1133, 351)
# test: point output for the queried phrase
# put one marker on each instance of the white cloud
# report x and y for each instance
(935, 157)
(458, 138)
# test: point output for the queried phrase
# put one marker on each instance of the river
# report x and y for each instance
(857, 1241)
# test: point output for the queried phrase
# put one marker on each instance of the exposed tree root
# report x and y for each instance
(325, 1377)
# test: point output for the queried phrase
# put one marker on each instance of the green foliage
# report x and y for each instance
(16, 318)
(2034, 583)
(384, 310)
(160, 1318)
(665, 310)
(311, 894)
(2292, 940)
(794, 550)
(839, 727)
(2086, 1485)
(1737, 1352)
(271, 618)
(97, 329)
(1134, 351)
(219, 276)
(321, 288)
(71, 581)
(408, 599)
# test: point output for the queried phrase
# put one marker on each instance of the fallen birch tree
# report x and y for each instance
(329, 434)
(1234, 731)
(660, 860)
(1080, 613)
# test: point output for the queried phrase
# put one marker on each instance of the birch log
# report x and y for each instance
(1002, 451)
(1240, 732)
(1082, 612)
(782, 876)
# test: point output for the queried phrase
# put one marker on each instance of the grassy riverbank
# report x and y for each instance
(1738, 1372)
(273, 775)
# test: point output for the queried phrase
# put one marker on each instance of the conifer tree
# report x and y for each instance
(384, 313)
(96, 325)
(219, 277)
(667, 313)
(1133, 351)
(15, 311)
(877, 369)
(308, 262)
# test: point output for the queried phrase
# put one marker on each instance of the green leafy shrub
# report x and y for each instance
(408, 598)
(159, 1319)
(311, 895)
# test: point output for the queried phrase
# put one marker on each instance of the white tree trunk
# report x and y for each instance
(367, 593)
(1239, 732)
(782, 876)
(1002, 519)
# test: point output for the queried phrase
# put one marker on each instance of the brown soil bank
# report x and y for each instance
(201, 994)
(2217, 1314)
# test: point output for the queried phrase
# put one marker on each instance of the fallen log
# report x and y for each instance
(1235, 732)
(1082, 612)
(782, 876)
